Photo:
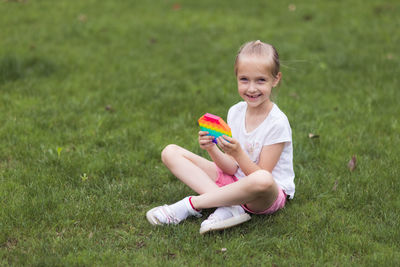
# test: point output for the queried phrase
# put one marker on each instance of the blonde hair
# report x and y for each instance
(264, 50)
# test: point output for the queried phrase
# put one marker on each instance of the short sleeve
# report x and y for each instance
(234, 118)
(229, 117)
(279, 132)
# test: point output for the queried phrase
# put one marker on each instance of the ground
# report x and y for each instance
(91, 91)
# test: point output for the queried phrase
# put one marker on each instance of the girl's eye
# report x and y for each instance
(262, 80)
(243, 79)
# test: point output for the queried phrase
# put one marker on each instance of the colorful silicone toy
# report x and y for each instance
(214, 125)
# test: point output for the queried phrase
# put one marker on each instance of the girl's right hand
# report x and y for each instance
(205, 140)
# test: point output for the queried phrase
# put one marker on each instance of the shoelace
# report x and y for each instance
(212, 218)
(215, 218)
(169, 215)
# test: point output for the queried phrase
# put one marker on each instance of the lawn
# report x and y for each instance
(91, 92)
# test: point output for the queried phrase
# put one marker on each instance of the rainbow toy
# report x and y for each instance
(214, 125)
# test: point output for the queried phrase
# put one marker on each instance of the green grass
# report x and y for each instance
(91, 91)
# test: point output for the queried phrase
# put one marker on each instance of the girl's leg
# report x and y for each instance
(258, 191)
(196, 172)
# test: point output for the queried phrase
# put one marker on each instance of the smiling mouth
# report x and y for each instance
(253, 96)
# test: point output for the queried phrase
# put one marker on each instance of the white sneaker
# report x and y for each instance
(172, 214)
(224, 217)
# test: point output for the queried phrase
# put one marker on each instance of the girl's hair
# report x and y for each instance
(262, 50)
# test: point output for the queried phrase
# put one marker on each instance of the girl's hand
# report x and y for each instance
(205, 140)
(229, 145)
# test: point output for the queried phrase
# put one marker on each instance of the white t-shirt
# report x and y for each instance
(274, 129)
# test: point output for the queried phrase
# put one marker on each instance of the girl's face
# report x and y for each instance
(255, 81)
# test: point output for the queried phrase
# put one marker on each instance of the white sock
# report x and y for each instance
(181, 210)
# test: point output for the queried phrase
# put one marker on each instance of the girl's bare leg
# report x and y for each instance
(258, 190)
(196, 172)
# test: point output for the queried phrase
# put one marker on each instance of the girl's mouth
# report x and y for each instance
(253, 97)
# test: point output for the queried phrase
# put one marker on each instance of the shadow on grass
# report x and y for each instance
(13, 68)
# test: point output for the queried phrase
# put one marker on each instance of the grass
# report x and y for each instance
(90, 93)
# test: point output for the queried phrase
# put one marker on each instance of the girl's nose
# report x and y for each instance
(252, 87)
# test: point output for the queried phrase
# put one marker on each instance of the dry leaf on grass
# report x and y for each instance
(170, 255)
(11, 243)
(176, 6)
(82, 18)
(109, 108)
(312, 136)
(140, 244)
(222, 250)
(335, 185)
(352, 163)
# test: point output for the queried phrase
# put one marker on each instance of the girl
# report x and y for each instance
(252, 172)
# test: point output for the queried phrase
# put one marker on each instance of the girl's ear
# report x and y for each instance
(277, 79)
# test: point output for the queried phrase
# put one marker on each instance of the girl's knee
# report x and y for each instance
(169, 152)
(262, 181)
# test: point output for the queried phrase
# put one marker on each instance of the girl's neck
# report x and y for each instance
(260, 111)
(255, 116)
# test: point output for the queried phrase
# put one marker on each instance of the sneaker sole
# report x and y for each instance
(225, 224)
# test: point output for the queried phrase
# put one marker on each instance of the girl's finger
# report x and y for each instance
(203, 133)
(205, 141)
(220, 140)
(228, 139)
(206, 138)
(224, 141)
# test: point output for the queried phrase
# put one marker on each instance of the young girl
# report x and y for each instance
(252, 172)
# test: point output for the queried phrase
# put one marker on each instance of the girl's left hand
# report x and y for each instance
(229, 145)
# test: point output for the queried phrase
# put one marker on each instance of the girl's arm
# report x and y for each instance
(224, 161)
(269, 155)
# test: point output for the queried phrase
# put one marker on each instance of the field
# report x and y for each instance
(91, 92)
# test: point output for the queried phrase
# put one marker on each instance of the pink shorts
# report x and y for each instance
(225, 179)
